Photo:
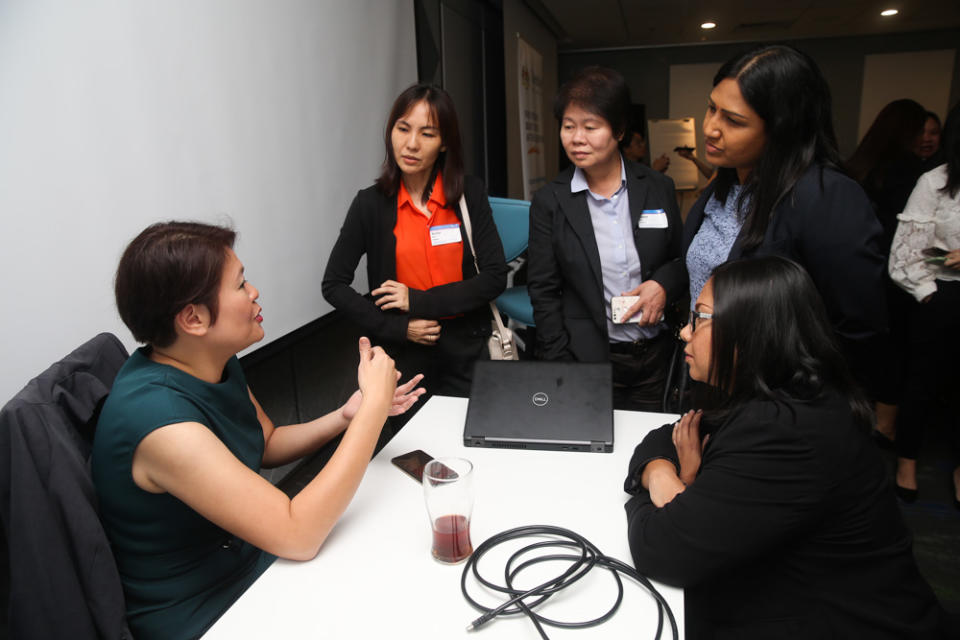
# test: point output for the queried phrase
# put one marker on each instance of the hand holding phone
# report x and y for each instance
(934, 255)
(619, 305)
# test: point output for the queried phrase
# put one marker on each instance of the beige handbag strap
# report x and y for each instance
(465, 215)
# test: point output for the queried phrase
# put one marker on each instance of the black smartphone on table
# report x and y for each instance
(413, 463)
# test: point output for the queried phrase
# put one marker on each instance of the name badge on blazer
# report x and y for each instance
(445, 234)
(653, 219)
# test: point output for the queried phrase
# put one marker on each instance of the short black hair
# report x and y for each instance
(628, 138)
(599, 90)
(165, 268)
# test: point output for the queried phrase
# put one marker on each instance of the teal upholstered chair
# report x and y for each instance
(512, 218)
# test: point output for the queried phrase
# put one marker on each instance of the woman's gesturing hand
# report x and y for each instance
(376, 374)
(423, 331)
(393, 295)
(404, 397)
(686, 438)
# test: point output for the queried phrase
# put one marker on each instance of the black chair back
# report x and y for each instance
(64, 581)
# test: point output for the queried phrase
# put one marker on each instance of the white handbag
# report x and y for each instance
(501, 344)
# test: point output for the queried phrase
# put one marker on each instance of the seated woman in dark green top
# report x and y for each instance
(181, 438)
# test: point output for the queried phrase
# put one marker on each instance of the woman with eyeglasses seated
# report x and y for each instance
(181, 438)
(781, 523)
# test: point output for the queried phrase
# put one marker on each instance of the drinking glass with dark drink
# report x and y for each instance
(448, 492)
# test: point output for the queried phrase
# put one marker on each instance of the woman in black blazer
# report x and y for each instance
(605, 228)
(768, 127)
(887, 165)
(782, 522)
(429, 303)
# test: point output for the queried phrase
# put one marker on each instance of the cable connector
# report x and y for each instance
(479, 622)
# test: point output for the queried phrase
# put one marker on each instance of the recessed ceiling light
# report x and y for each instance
(886, 13)
(708, 25)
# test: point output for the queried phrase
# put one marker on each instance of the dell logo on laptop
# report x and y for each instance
(540, 399)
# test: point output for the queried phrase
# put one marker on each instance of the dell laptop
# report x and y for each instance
(558, 406)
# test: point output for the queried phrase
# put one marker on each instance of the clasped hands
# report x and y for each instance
(396, 295)
(660, 476)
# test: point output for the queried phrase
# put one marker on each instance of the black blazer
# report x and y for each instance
(368, 229)
(828, 226)
(564, 277)
(790, 530)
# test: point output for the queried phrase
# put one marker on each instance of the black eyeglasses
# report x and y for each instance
(697, 315)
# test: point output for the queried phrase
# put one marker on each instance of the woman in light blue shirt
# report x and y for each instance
(603, 229)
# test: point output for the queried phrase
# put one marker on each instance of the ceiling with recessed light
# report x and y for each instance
(586, 24)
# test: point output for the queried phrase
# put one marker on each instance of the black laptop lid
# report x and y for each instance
(553, 405)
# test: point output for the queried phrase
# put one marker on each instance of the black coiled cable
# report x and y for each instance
(525, 602)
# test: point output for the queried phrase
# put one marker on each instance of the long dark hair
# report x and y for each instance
(950, 143)
(889, 139)
(786, 89)
(772, 339)
(449, 161)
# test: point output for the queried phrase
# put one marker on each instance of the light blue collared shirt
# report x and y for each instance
(619, 262)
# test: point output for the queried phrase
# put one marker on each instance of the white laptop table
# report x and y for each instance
(375, 577)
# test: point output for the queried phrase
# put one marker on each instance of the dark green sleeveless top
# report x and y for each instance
(179, 571)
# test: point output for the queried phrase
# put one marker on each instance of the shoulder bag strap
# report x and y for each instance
(466, 224)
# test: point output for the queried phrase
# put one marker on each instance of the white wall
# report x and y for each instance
(267, 114)
(690, 86)
(519, 21)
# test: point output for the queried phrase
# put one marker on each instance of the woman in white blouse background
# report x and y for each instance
(930, 225)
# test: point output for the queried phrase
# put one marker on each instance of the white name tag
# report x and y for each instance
(653, 219)
(444, 234)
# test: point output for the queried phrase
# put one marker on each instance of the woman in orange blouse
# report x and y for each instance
(428, 304)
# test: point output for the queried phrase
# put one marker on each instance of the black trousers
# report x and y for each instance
(889, 368)
(640, 372)
(447, 366)
(933, 351)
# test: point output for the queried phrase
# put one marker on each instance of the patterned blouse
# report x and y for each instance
(714, 239)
